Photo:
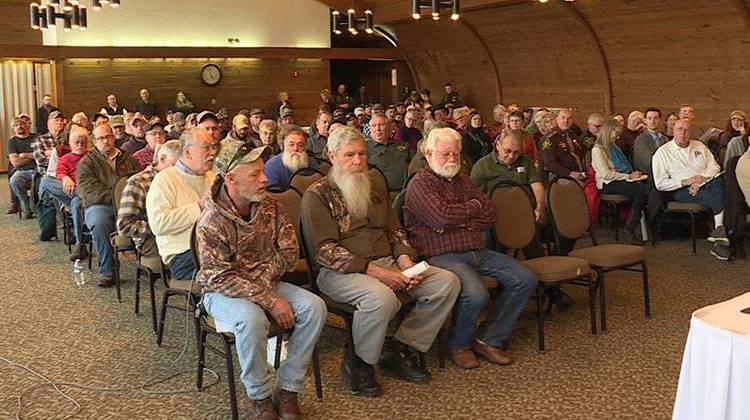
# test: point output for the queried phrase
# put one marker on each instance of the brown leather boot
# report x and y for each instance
(491, 353)
(286, 405)
(14, 208)
(263, 410)
(464, 358)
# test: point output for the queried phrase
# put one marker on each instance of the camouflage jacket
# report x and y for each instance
(244, 259)
(344, 244)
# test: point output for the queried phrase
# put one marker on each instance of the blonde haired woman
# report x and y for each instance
(615, 174)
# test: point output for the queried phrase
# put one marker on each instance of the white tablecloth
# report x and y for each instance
(715, 376)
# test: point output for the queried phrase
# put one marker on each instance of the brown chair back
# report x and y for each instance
(117, 193)
(377, 176)
(568, 208)
(302, 179)
(515, 227)
(324, 166)
(291, 200)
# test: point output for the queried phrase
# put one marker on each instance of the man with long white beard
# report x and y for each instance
(280, 168)
(446, 216)
(355, 237)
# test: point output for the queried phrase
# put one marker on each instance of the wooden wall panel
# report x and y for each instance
(246, 83)
(544, 56)
(15, 28)
(447, 51)
(664, 54)
(660, 53)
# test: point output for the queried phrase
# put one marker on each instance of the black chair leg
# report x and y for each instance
(602, 301)
(91, 241)
(646, 301)
(616, 221)
(277, 353)
(316, 375)
(592, 304)
(230, 379)
(540, 291)
(137, 290)
(116, 273)
(151, 281)
(201, 359)
(422, 361)
(160, 330)
(692, 231)
(441, 342)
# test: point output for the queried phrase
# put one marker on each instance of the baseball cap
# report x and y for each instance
(287, 113)
(178, 118)
(206, 114)
(236, 153)
(257, 111)
(55, 114)
(117, 121)
(138, 118)
(240, 121)
(23, 115)
(738, 113)
(154, 126)
(359, 111)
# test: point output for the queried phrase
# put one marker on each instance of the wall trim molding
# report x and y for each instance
(60, 53)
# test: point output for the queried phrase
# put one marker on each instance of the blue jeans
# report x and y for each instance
(517, 282)
(182, 266)
(250, 323)
(710, 196)
(100, 220)
(53, 186)
(20, 184)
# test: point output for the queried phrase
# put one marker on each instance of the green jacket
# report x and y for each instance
(96, 179)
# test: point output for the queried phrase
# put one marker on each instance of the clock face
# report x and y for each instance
(211, 74)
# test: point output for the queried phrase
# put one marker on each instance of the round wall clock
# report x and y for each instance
(210, 74)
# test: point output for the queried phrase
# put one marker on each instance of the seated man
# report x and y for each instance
(173, 203)
(390, 157)
(138, 140)
(445, 215)
(247, 243)
(21, 156)
(155, 135)
(316, 145)
(355, 237)
(688, 168)
(267, 131)
(132, 221)
(648, 141)
(280, 168)
(64, 190)
(45, 144)
(97, 175)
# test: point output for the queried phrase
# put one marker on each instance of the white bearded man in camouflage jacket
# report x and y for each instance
(247, 243)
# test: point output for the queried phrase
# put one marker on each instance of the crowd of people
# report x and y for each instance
(211, 171)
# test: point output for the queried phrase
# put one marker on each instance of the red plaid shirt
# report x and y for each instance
(444, 215)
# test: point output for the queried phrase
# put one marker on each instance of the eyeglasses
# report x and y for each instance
(447, 155)
(241, 152)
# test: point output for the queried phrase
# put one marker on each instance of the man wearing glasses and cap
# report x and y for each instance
(173, 203)
(247, 243)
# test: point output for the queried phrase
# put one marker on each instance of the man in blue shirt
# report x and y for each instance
(280, 168)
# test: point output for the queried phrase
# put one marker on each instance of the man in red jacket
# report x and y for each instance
(446, 216)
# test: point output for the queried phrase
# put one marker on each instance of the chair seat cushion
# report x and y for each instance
(301, 266)
(121, 242)
(186, 286)
(614, 198)
(685, 207)
(555, 269)
(612, 255)
(152, 263)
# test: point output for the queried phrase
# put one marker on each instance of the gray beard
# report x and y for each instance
(295, 162)
(356, 189)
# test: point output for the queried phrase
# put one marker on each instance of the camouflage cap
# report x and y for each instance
(117, 121)
(232, 154)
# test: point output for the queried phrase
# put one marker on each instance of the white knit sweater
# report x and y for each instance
(172, 208)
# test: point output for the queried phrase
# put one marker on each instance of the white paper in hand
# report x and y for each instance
(416, 269)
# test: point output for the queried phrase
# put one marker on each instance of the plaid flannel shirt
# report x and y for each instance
(444, 215)
(42, 144)
(131, 217)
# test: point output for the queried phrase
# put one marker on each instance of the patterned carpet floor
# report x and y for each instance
(83, 335)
